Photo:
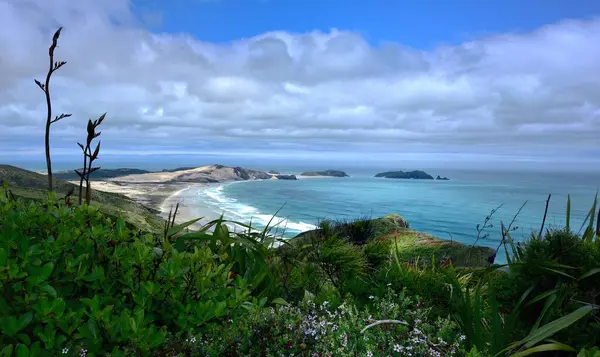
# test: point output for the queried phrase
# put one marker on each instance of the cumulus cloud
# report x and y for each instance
(509, 93)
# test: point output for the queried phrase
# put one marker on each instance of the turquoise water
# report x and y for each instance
(446, 209)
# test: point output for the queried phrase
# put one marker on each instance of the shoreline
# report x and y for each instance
(162, 197)
(188, 212)
(163, 191)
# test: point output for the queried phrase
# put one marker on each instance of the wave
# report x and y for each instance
(214, 198)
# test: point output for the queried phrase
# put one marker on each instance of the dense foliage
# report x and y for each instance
(73, 280)
(76, 282)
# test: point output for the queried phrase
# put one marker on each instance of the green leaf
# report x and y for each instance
(543, 348)
(559, 272)
(180, 227)
(21, 351)
(553, 327)
(3, 257)
(308, 296)
(523, 297)
(97, 273)
(280, 301)
(590, 273)
(542, 296)
(24, 320)
(551, 299)
(49, 289)
(6, 351)
(41, 274)
(35, 349)
(92, 328)
(24, 338)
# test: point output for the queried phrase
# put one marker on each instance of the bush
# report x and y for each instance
(554, 266)
(328, 330)
(74, 280)
(377, 253)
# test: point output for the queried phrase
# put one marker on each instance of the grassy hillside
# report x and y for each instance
(31, 185)
(101, 174)
(411, 246)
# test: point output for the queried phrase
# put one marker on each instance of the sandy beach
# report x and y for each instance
(162, 191)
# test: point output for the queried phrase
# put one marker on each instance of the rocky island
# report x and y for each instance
(284, 177)
(416, 174)
(328, 173)
(442, 178)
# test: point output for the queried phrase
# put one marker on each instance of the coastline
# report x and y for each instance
(196, 192)
(187, 211)
(163, 198)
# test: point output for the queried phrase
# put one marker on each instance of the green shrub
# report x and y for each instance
(73, 279)
(389, 224)
(557, 272)
(325, 329)
(355, 231)
(377, 253)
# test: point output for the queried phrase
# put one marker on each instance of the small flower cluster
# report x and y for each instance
(321, 329)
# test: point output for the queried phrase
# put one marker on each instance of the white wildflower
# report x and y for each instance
(369, 354)
(397, 348)
(434, 353)
(344, 340)
(65, 351)
(371, 297)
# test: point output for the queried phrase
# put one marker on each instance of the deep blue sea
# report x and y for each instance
(447, 209)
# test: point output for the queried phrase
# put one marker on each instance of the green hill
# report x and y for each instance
(31, 185)
(409, 244)
(101, 174)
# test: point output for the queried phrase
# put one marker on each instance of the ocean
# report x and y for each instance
(446, 209)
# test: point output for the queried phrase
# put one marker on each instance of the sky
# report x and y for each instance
(431, 82)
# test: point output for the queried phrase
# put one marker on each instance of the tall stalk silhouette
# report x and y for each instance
(54, 66)
(88, 159)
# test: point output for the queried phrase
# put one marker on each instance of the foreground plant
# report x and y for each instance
(73, 279)
(54, 66)
(88, 158)
(396, 324)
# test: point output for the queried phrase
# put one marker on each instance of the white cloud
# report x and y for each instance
(508, 93)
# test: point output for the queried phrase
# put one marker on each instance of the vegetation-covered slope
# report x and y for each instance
(101, 174)
(31, 185)
(413, 246)
(76, 282)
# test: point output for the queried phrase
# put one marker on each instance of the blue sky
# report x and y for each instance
(421, 24)
(473, 83)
